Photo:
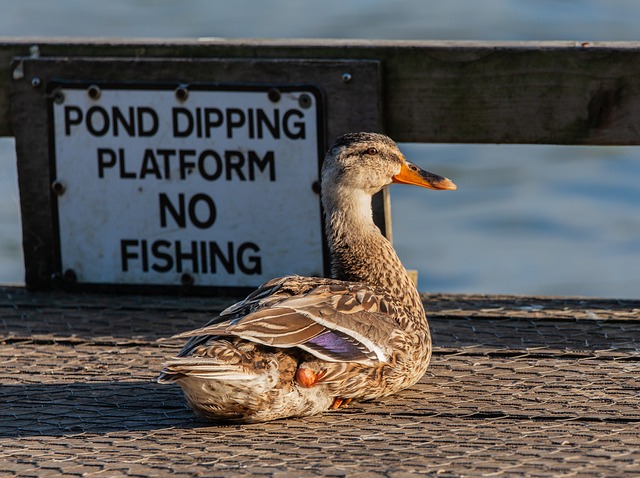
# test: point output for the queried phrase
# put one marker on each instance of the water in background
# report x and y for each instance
(525, 219)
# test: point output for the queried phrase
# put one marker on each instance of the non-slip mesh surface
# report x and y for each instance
(517, 386)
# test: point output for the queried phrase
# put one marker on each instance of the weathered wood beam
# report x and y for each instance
(470, 92)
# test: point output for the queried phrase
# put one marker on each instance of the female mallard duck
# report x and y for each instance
(300, 345)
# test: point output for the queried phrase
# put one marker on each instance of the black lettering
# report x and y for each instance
(148, 123)
(209, 122)
(272, 126)
(215, 254)
(234, 161)
(203, 257)
(251, 116)
(125, 254)
(97, 121)
(72, 117)
(128, 124)
(195, 256)
(267, 161)
(216, 171)
(150, 165)
(106, 159)
(181, 127)
(181, 256)
(232, 123)
(298, 130)
(253, 264)
(124, 174)
(198, 122)
(178, 215)
(145, 256)
(209, 211)
(166, 156)
(158, 251)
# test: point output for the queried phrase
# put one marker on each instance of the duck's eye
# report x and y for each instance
(371, 151)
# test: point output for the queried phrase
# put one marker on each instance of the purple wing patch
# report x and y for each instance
(339, 346)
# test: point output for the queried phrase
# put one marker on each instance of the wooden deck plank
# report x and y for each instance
(446, 92)
(536, 395)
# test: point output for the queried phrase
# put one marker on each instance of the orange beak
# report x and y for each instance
(412, 174)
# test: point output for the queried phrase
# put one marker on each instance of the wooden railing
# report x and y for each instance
(443, 92)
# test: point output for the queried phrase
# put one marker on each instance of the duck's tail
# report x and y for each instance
(205, 368)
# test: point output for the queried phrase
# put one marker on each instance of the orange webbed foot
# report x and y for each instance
(340, 402)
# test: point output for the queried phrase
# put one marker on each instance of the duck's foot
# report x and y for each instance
(340, 402)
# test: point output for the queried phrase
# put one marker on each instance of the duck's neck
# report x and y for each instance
(359, 252)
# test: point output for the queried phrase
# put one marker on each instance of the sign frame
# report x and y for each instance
(56, 97)
(346, 104)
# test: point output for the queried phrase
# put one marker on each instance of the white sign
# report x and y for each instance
(212, 185)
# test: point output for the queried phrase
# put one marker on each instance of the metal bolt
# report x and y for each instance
(182, 93)
(69, 276)
(304, 101)
(18, 71)
(94, 92)
(58, 97)
(346, 77)
(58, 188)
(274, 95)
(187, 279)
(34, 51)
(36, 82)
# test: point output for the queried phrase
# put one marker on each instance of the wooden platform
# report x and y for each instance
(518, 386)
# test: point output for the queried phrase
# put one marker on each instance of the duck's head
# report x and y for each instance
(370, 161)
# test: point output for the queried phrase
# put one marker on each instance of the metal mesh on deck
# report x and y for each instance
(507, 394)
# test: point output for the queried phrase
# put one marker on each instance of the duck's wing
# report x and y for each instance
(267, 294)
(333, 320)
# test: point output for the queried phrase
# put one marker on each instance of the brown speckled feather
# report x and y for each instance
(295, 319)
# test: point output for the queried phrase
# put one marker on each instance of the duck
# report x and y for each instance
(298, 346)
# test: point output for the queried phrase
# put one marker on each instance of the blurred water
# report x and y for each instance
(525, 220)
